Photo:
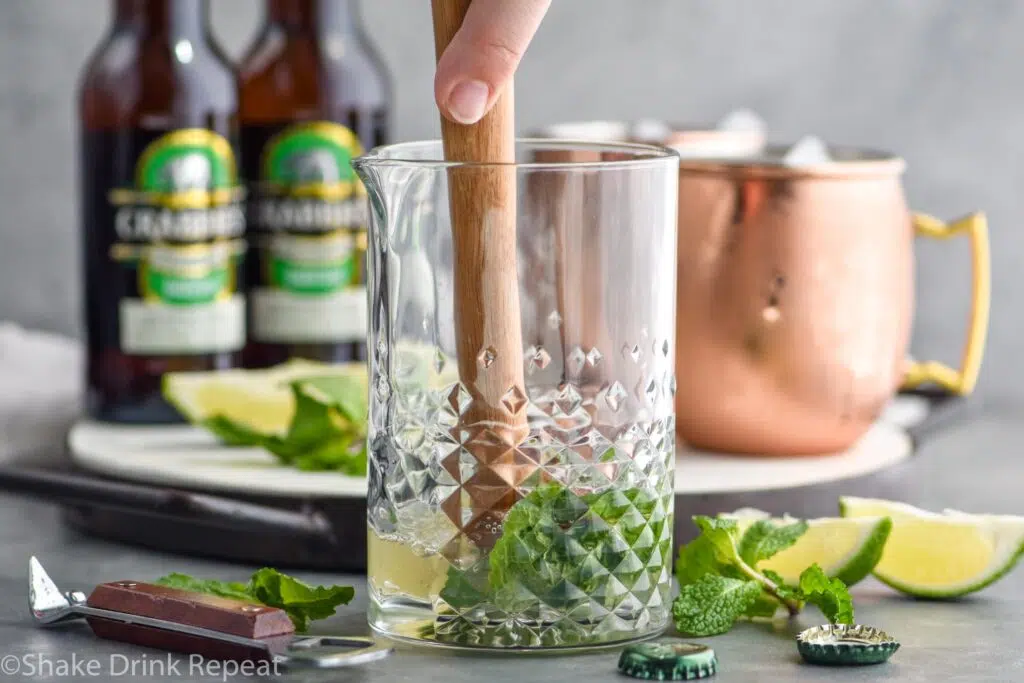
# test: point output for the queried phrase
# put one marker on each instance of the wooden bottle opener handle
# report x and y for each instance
(232, 617)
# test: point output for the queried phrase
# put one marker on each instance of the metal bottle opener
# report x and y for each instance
(217, 628)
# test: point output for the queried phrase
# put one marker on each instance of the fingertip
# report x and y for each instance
(460, 96)
(467, 101)
(483, 56)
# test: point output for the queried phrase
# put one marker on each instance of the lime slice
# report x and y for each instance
(942, 555)
(847, 549)
(256, 400)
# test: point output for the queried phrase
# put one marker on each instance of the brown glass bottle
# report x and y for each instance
(313, 95)
(162, 208)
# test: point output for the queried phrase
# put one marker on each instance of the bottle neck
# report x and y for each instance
(173, 19)
(324, 17)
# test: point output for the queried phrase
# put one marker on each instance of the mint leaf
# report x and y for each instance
(828, 595)
(721, 533)
(464, 589)
(232, 433)
(781, 589)
(696, 559)
(561, 549)
(224, 589)
(338, 455)
(764, 607)
(328, 429)
(303, 603)
(312, 422)
(765, 539)
(719, 581)
(347, 394)
(713, 604)
(527, 535)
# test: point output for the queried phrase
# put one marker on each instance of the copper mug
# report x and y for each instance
(584, 320)
(795, 299)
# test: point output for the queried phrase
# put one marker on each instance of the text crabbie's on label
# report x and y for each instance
(309, 223)
(178, 231)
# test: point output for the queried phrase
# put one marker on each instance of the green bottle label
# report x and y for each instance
(312, 265)
(179, 227)
(312, 160)
(309, 210)
(186, 276)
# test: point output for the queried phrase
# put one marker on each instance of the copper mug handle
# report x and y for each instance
(960, 382)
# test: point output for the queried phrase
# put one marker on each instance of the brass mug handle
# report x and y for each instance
(962, 381)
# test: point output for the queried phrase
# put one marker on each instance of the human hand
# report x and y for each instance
(483, 56)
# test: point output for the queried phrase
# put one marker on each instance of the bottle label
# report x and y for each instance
(308, 220)
(178, 224)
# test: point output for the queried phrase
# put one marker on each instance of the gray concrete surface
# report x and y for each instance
(974, 465)
(936, 80)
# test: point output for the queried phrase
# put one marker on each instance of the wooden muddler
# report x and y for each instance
(488, 324)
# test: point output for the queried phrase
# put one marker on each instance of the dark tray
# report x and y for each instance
(329, 534)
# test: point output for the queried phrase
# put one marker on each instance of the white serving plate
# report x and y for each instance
(186, 457)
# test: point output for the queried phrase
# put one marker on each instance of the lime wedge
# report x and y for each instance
(259, 401)
(947, 555)
(847, 549)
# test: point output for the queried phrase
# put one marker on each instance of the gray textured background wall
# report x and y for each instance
(937, 80)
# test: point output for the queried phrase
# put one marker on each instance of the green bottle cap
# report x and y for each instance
(668, 659)
(841, 645)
